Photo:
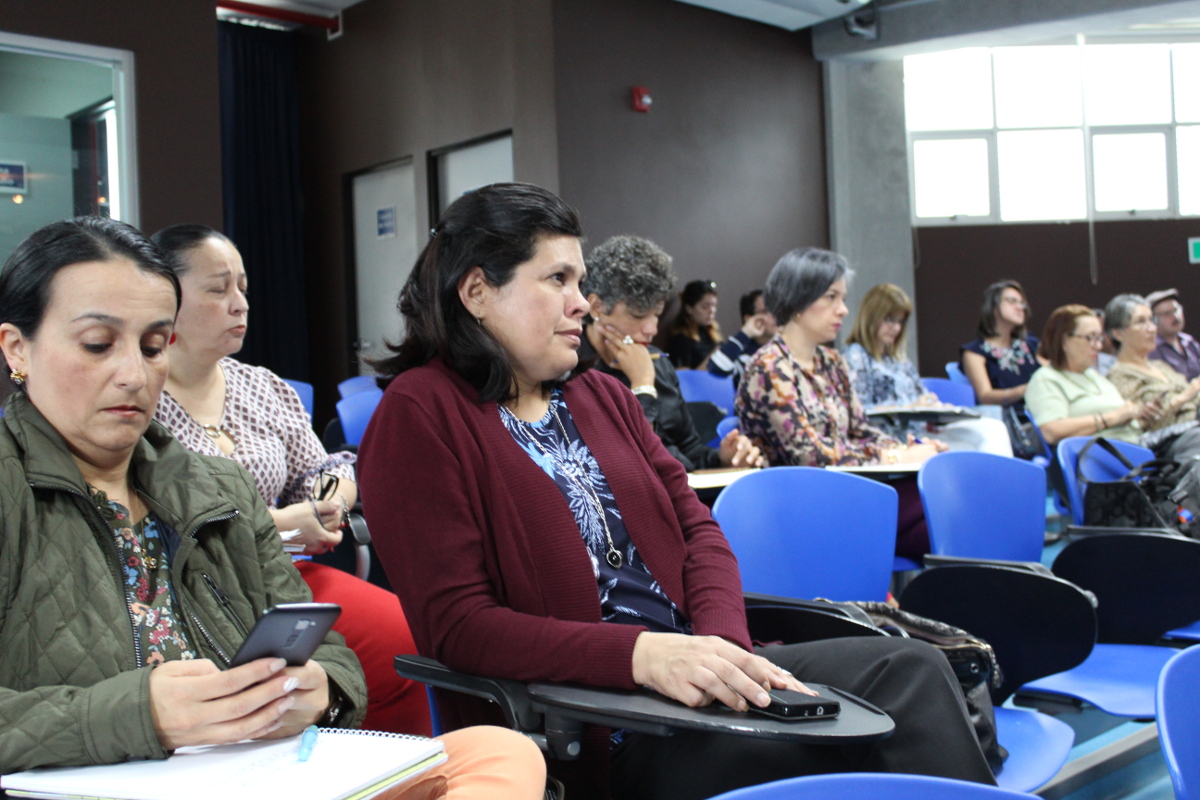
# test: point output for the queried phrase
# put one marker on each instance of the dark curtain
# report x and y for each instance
(260, 162)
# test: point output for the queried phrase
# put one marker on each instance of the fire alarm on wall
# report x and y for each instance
(641, 99)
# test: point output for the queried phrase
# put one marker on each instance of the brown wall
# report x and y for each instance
(727, 170)
(1051, 261)
(178, 113)
(409, 76)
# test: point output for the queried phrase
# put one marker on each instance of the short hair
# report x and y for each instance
(991, 302)
(176, 240)
(630, 270)
(880, 302)
(29, 272)
(1062, 322)
(496, 228)
(1119, 312)
(746, 303)
(799, 278)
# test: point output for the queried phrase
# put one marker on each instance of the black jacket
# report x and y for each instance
(668, 413)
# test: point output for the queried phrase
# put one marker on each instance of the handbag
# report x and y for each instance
(1026, 443)
(972, 659)
(1147, 496)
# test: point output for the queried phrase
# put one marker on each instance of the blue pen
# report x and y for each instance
(307, 742)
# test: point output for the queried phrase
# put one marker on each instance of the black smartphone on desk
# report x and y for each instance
(291, 631)
(797, 706)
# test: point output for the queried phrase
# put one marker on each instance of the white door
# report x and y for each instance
(467, 168)
(385, 248)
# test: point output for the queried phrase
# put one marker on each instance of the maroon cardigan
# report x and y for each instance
(485, 554)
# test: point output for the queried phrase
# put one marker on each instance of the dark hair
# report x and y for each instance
(746, 304)
(495, 228)
(800, 278)
(693, 292)
(27, 275)
(991, 302)
(176, 240)
(1062, 321)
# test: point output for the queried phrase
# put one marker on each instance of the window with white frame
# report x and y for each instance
(1050, 133)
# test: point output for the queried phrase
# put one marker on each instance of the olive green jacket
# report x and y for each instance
(71, 690)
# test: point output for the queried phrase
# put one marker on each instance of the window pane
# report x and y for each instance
(1130, 171)
(1127, 84)
(1041, 175)
(951, 177)
(1187, 82)
(1037, 87)
(948, 91)
(1188, 142)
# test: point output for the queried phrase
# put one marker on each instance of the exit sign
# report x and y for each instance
(1194, 250)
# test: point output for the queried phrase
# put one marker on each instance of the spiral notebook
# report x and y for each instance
(345, 765)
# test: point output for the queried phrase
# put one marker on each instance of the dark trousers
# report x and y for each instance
(909, 680)
(912, 534)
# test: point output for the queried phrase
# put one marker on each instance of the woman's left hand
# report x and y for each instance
(311, 697)
(738, 451)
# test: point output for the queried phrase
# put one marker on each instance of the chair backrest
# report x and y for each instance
(1178, 707)
(359, 383)
(305, 390)
(1098, 466)
(808, 532)
(354, 412)
(980, 505)
(951, 392)
(1145, 583)
(697, 385)
(871, 786)
(725, 426)
(954, 372)
(1037, 624)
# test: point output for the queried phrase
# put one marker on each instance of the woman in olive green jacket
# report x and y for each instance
(130, 568)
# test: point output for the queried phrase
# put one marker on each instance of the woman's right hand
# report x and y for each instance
(917, 453)
(193, 702)
(319, 532)
(695, 670)
(630, 357)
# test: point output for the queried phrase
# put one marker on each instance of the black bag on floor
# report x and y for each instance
(1147, 496)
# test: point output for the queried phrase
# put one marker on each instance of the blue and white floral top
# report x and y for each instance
(630, 594)
(887, 381)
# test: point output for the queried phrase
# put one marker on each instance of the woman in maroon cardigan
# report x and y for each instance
(536, 529)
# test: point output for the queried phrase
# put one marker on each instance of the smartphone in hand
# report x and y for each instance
(291, 631)
(797, 706)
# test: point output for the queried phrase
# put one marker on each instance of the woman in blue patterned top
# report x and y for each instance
(885, 378)
(1001, 361)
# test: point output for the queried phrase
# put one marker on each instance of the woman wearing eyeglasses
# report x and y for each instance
(695, 332)
(1001, 361)
(1068, 397)
(218, 406)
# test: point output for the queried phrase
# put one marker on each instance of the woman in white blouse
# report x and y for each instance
(885, 378)
(218, 406)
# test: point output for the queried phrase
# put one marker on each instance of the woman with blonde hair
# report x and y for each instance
(884, 377)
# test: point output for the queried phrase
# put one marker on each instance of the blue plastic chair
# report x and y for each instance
(979, 505)
(1098, 465)
(701, 385)
(951, 392)
(1178, 699)
(954, 372)
(354, 412)
(806, 532)
(359, 383)
(305, 390)
(725, 426)
(871, 786)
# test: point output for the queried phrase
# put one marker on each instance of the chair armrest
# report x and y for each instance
(1096, 530)
(932, 561)
(511, 696)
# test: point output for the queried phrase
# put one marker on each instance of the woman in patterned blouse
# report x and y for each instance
(1001, 361)
(218, 406)
(797, 401)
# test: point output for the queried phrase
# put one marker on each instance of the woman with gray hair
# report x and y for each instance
(797, 401)
(628, 282)
(1173, 432)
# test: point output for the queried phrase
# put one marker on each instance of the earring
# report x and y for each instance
(17, 377)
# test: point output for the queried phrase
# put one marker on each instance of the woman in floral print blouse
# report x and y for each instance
(797, 401)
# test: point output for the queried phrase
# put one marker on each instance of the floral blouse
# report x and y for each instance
(808, 419)
(887, 381)
(1007, 368)
(160, 633)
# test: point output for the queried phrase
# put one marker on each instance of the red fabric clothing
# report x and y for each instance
(485, 554)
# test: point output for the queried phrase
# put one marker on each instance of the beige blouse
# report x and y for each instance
(1136, 384)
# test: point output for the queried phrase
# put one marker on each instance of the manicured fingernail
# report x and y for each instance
(762, 699)
(286, 704)
(290, 683)
(278, 664)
